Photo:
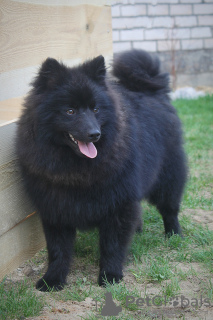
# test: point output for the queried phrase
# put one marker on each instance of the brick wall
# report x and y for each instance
(180, 31)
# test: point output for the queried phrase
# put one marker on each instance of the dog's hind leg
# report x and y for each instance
(170, 219)
(167, 193)
(169, 211)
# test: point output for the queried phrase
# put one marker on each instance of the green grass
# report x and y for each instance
(86, 246)
(197, 118)
(18, 301)
(153, 259)
(78, 291)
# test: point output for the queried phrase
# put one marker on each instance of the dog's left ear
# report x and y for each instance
(95, 68)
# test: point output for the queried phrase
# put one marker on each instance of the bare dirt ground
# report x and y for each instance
(56, 309)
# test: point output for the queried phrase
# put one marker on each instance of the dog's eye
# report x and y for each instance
(70, 111)
(95, 110)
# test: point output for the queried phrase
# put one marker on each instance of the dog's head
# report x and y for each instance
(73, 104)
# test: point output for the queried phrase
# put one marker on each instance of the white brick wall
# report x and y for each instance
(186, 21)
(161, 10)
(169, 45)
(180, 9)
(136, 10)
(156, 22)
(192, 44)
(150, 46)
(205, 20)
(159, 25)
(156, 34)
(201, 32)
(208, 43)
(132, 35)
(203, 8)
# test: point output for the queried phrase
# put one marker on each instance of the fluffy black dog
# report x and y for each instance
(90, 149)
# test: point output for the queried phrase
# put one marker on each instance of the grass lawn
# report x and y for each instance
(172, 277)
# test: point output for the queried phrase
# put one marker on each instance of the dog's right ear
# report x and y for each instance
(51, 74)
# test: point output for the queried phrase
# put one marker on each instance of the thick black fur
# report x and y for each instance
(138, 138)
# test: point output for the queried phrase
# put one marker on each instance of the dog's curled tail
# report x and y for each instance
(137, 70)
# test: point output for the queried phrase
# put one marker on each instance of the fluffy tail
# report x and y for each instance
(138, 71)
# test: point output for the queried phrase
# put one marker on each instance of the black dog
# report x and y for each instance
(90, 149)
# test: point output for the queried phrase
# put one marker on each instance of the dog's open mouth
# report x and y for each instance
(86, 148)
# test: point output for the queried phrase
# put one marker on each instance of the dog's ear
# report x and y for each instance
(95, 69)
(51, 74)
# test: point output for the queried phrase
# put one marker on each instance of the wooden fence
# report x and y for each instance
(31, 31)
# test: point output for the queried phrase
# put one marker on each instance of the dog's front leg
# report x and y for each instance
(115, 234)
(60, 239)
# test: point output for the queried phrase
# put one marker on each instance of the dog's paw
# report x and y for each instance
(105, 278)
(45, 285)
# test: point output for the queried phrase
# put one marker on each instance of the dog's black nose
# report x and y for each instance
(94, 135)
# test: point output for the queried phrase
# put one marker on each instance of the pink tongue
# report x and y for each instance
(88, 149)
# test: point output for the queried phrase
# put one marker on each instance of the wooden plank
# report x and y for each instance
(20, 237)
(10, 109)
(7, 134)
(20, 244)
(31, 32)
(15, 205)
(15, 83)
